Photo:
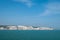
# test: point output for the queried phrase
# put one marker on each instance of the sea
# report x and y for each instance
(29, 34)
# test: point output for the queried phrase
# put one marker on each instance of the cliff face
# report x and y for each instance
(24, 28)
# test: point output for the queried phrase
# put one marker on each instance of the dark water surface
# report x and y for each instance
(29, 35)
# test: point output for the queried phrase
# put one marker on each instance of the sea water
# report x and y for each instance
(29, 35)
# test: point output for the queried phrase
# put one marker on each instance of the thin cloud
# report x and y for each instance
(45, 13)
(51, 9)
(28, 3)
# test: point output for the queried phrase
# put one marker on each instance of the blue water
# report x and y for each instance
(29, 35)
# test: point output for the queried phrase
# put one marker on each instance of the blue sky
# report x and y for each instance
(45, 13)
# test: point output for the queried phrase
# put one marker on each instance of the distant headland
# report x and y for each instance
(19, 27)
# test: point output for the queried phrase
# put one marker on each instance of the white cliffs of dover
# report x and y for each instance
(25, 28)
